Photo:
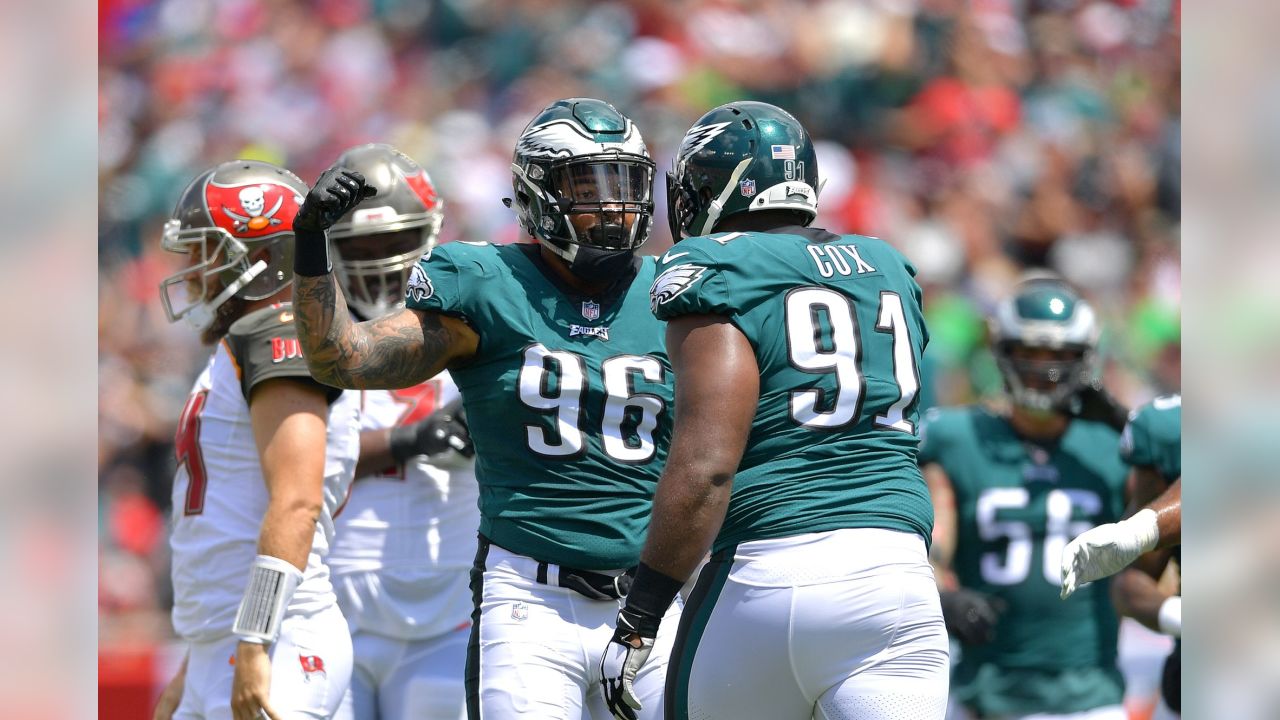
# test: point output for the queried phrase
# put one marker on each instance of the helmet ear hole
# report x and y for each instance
(704, 196)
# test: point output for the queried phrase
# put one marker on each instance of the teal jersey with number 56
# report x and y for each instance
(1017, 506)
(837, 329)
(568, 401)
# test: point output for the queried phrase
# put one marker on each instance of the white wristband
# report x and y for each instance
(271, 585)
(1170, 616)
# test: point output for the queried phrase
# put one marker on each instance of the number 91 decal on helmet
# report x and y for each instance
(741, 157)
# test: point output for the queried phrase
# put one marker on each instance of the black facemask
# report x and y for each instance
(597, 265)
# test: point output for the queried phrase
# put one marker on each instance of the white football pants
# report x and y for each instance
(538, 647)
(310, 670)
(840, 625)
(407, 679)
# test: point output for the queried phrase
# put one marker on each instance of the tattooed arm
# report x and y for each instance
(397, 350)
(394, 351)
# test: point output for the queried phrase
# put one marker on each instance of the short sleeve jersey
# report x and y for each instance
(568, 401)
(1017, 506)
(219, 495)
(1153, 437)
(837, 329)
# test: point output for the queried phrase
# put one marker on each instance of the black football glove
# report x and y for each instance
(445, 429)
(1093, 402)
(633, 639)
(334, 194)
(971, 616)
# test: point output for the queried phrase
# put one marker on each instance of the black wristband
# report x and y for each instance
(652, 592)
(403, 443)
(310, 253)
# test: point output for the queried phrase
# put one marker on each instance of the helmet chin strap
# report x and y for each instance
(717, 205)
(202, 315)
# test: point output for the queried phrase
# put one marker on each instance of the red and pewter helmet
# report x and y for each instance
(377, 244)
(235, 221)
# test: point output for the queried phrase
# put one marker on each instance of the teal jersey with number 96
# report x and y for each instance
(1017, 506)
(568, 401)
(837, 329)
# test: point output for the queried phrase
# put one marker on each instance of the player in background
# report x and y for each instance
(566, 387)
(406, 535)
(1152, 444)
(1010, 489)
(265, 454)
(793, 457)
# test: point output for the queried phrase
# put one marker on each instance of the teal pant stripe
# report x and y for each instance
(693, 621)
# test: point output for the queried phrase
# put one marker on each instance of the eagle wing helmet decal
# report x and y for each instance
(563, 139)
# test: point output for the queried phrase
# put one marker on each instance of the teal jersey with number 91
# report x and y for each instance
(568, 401)
(1017, 506)
(837, 329)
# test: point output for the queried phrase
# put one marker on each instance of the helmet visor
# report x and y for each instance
(608, 201)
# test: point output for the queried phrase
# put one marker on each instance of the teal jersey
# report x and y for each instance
(568, 401)
(1018, 504)
(837, 329)
(1153, 437)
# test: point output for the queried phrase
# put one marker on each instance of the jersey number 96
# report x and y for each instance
(554, 382)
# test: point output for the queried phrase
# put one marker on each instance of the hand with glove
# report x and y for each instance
(971, 616)
(1093, 402)
(652, 592)
(334, 194)
(442, 431)
(633, 639)
(1106, 549)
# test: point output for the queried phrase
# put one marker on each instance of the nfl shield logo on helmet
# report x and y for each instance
(590, 310)
(747, 188)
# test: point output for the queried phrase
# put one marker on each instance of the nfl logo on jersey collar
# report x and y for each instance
(590, 310)
(1039, 468)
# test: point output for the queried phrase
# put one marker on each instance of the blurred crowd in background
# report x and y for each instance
(981, 137)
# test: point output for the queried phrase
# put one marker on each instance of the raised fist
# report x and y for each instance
(334, 194)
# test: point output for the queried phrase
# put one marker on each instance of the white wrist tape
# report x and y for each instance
(1145, 529)
(1170, 616)
(271, 585)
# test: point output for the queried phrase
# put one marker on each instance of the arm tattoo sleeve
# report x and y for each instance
(394, 351)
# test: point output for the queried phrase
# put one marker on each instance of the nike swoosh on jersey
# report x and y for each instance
(668, 257)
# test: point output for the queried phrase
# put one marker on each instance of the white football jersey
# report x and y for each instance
(219, 495)
(407, 536)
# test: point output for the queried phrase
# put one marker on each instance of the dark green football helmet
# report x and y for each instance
(1045, 339)
(741, 157)
(581, 157)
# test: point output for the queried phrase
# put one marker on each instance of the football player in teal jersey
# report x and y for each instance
(793, 457)
(1140, 547)
(1010, 489)
(566, 388)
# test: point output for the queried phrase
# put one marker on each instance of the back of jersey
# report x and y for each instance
(838, 331)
